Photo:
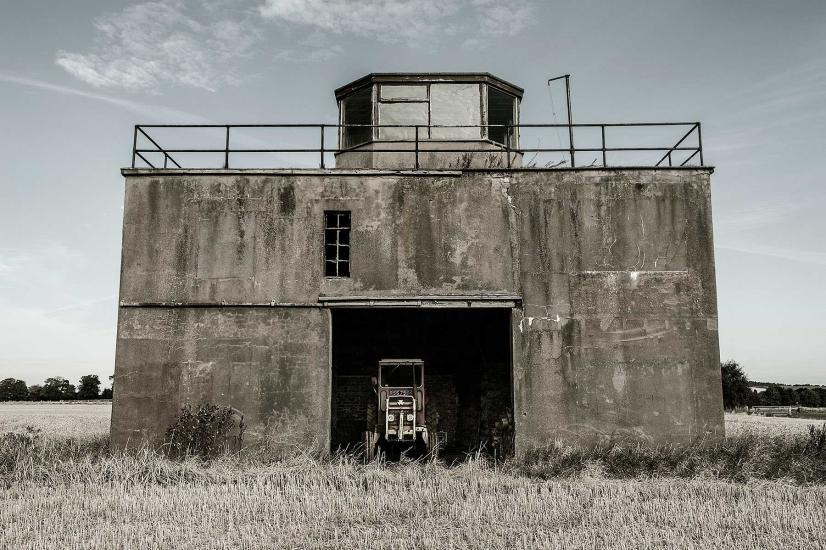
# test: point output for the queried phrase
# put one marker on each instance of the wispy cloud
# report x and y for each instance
(145, 109)
(416, 23)
(314, 47)
(753, 216)
(46, 268)
(153, 44)
(795, 255)
(752, 116)
(792, 96)
(311, 54)
(496, 18)
(386, 20)
(83, 304)
(799, 82)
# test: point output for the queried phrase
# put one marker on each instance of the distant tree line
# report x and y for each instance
(738, 393)
(55, 388)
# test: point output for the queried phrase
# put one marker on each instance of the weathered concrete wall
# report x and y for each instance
(617, 333)
(271, 364)
(239, 239)
(619, 327)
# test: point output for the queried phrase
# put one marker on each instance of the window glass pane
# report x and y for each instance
(402, 113)
(393, 91)
(343, 252)
(357, 108)
(501, 107)
(396, 376)
(455, 104)
(344, 269)
(330, 269)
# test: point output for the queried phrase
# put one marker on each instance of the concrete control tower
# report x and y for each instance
(545, 299)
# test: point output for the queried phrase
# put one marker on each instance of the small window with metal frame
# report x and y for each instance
(337, 243)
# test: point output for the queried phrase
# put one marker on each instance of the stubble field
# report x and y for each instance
(63, 488)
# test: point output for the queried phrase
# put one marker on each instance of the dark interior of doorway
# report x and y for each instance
(467, 358)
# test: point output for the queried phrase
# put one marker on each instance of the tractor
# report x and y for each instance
(400, 425)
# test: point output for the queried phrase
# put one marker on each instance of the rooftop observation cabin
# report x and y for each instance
(556, 279)
(431, 121)
(420, 121)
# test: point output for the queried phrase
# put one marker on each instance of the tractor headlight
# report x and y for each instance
(410, 418)
(391, 417)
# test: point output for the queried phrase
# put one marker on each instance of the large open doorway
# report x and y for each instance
(467, 366)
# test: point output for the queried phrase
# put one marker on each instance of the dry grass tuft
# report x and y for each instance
(797, 457)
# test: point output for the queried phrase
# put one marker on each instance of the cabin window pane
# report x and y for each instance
(402, 113)
(501, 111)
(397, 376)
(455, 105)
(403, 92)
(357, 108)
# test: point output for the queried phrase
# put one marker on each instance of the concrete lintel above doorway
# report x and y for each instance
(425, 301)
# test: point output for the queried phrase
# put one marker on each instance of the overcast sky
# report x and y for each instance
(76, 75)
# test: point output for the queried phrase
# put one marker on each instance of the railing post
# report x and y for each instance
(134, 145)
(669, 158)
(416, 154)
(570, 117)
(322, 146)
(700, 143)
(226, 150)
(604, 162)
(508, 143)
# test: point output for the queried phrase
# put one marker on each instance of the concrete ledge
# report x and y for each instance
(452, 300)
(216, 304)
(153, 172)
(282, 172)
(706, 169)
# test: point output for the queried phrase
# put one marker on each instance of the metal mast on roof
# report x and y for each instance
(567, 78)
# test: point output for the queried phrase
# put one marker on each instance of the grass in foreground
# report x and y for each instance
(797, 457)
(74, 492)
(311, 505)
